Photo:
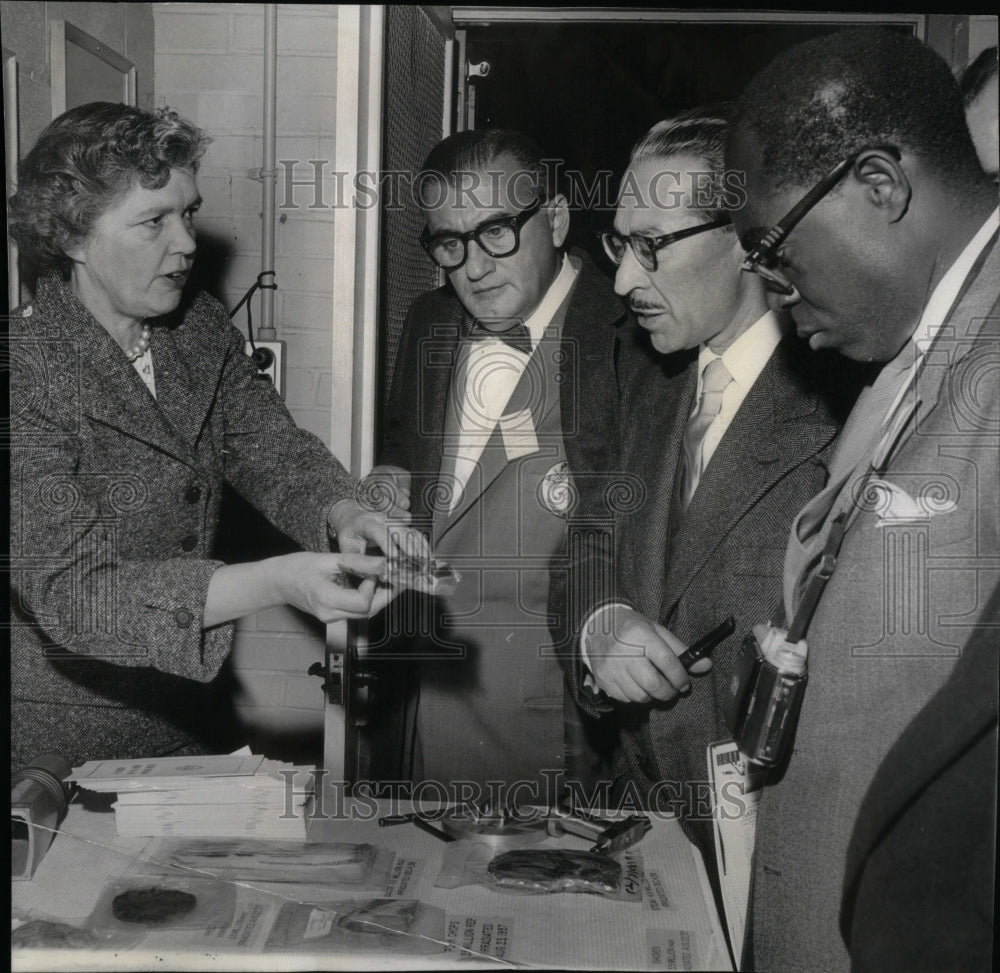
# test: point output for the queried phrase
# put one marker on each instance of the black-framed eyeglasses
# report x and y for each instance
(762, 246)
(645, 247)
(499, 237)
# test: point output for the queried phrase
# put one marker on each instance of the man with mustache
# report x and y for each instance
(723, 423)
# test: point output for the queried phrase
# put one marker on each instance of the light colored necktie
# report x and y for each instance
(715, 380)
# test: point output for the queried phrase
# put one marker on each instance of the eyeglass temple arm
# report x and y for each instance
(784, 226)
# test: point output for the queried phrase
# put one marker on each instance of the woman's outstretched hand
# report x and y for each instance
(330, 587)
(324, 585)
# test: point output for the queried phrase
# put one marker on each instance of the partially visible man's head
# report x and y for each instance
(470, 180)
(696, 293)
(862, 259)
(979, 91)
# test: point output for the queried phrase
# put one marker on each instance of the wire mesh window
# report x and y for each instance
(414, 96)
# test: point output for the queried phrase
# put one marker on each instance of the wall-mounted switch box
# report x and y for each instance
(270, 361)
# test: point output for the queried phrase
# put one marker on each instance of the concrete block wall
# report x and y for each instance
(125, 27)
(209, 66)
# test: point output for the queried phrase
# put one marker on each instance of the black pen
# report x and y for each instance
(414, 819)
(704, 645)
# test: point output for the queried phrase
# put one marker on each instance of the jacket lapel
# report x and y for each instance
(438, 403)
(774, 431)
(533, 392)
(493, 459)
(660, 466)
(111, 391)
(971, 315)
(188, 374)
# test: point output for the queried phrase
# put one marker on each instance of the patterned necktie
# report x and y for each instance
(516, 335)
(715, 380)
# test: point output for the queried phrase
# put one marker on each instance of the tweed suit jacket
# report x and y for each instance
(690, 570)
(414, 434)
(909, 593)
(114, 506)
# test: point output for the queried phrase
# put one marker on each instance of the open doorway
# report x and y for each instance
(587, 91)
(585, 83)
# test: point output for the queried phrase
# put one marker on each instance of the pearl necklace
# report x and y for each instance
(141, 345)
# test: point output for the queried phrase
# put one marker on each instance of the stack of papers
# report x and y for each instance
(237, 796)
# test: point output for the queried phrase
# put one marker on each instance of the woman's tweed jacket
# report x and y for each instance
(114, 507)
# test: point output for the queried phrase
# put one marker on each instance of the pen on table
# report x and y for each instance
(705, 645)
(417, 821)
(722, 847)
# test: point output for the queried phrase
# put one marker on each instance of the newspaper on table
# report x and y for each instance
(238, 796)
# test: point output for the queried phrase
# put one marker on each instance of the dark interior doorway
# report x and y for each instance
(587, 91)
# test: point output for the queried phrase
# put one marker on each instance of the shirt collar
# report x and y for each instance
(542, 316)
(948, 287)
(746, 357)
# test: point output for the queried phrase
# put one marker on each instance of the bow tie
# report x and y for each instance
(516, 335)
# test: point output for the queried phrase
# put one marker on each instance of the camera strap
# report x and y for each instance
(839, 525)
(823, 573)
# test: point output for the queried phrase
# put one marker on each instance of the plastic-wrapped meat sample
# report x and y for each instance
(555, 870)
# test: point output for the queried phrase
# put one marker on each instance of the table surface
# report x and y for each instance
(671, 926)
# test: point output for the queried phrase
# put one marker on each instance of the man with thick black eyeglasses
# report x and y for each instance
(869, 216)
(495, 372)
(725, 428)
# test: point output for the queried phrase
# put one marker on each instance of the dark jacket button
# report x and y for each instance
(193, 494)
(183, 617)
(190, 542)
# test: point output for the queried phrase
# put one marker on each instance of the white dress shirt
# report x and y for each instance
(487, 372)
(744, 359)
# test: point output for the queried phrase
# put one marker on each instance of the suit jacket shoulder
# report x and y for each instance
(439, 306)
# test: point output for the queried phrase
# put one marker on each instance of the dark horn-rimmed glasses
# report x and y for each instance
(762, 245)
(645, 248)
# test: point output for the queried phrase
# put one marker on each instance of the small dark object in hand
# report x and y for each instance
(152, 905)
(555, 870)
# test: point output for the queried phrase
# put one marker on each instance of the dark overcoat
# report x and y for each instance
(490, 699)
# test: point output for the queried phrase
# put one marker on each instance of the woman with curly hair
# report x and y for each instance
(132, 403)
